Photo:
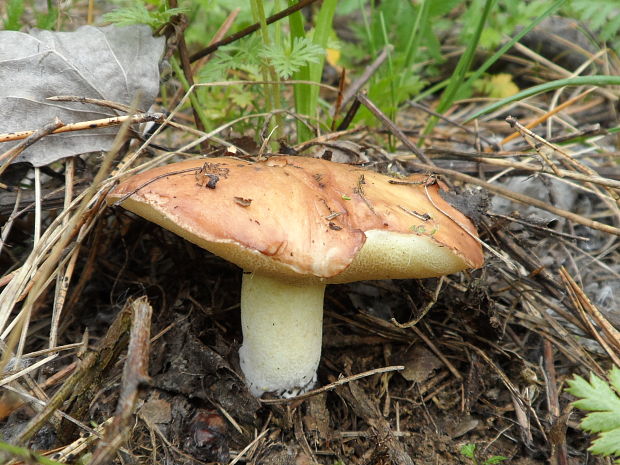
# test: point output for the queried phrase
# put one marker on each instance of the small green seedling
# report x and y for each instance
(469, 451)
(601, 399)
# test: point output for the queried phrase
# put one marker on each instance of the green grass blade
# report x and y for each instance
(14, 11)
(386, 42)
(193, 98)
(508, 45)
(415, 36)
(301, 91)
(321, 33)
(463, 66)
(546, 87)
(307, 96)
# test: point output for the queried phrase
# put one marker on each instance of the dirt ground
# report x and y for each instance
(477, 367)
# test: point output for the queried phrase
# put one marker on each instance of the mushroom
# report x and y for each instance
(294, 225)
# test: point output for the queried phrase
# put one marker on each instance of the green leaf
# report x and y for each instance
(48, 19)
(468, 450)
(26, 454)
(442, 8)
(139, 14)
(596, 395)
(494, 460)
(607, 444)
(614, 378)
(602, 401)
(289, 61)
(601, 421)
(238, 56)
(597, 12)
(600, 16)
(243, 99)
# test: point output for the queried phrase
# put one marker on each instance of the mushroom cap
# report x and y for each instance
(306, 218)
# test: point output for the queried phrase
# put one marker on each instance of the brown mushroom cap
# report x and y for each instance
(297, 217)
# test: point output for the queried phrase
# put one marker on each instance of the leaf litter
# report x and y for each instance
(495, 346)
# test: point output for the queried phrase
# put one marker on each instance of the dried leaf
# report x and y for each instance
(419, 364)
(156, 410)
(112, 63)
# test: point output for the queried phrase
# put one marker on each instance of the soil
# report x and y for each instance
(470, 376)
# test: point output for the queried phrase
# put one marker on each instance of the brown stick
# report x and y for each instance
(186, 66)
(31, 138)
(95, 101)
(557, 440)
(135, 373)
(219, 35)
(518, 197)
(389, 124)
(83, 125)
(528, 167)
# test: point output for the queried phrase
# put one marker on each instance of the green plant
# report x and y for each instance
(245, 59)
(601, 16)
(138, 13)
(307, 96)
(287, 60)
(600, 398)
(15, 10)
(483, 24)
(506, 19)
(412, 36)
(455, 83)
(268, 55)
(412, 30)
(469, 451)
(401, 77)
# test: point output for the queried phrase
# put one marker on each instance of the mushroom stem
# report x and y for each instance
(282, 329)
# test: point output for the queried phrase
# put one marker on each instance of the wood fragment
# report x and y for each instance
(85, 125)
(135, 374)
(609, 338)
(31, 137)
(387, 444)
(77, 387)
(558, 451)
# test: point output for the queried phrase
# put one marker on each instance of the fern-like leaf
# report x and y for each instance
(600, 399)
(238, 56)
(602, 16)
(287, 61)
(139, 14)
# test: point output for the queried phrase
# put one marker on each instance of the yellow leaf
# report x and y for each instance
(496, 86)
(333, 56)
